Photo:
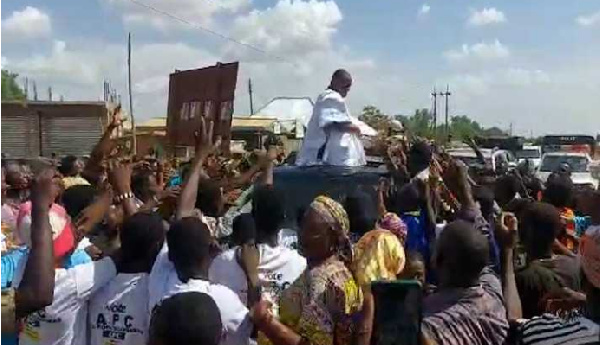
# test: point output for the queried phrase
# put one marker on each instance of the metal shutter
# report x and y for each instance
(70, 135)
(20, 135)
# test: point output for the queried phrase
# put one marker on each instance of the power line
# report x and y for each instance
(212, 32)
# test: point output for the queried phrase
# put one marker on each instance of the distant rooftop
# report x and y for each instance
(287, 110)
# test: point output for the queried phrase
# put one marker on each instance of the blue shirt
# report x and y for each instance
(11, 260)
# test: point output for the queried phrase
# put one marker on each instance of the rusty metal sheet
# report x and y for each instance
(20, 131)
(207, 92)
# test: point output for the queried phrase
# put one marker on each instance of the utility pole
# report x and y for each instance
(251, 99)
(50, 93)
(434, 94)
(35, 95)
(447, 127)
(133, 137)
(26, 88)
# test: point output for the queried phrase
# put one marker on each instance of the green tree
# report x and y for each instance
(418, 124)
(10, 89)
(462, 127)
(373, 117)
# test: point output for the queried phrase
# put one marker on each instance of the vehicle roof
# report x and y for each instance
(462, 152)
(302, 184)
(571, 154)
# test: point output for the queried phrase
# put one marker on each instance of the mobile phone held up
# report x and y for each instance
(398, 312)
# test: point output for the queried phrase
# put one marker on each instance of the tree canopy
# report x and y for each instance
(421, 124)
(10, 89)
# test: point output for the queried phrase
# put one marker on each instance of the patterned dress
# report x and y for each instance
(324, 304)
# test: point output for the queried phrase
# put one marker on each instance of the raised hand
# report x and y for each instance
(119, 177)
(507, 230)
(205, 145)
(116, 118)
(45, 187)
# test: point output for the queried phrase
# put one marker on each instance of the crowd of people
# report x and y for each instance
(114, 251)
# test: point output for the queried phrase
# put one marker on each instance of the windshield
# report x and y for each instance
(552, 163)
(470, 161)
(524, 154)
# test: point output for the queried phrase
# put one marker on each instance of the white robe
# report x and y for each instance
(341, 148)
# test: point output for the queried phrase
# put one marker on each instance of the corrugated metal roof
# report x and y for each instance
(253, 122)
(156, 122)
(288, 110)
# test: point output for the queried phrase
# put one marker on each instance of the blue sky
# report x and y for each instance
(530, 63)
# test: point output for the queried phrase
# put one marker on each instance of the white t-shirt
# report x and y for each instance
(341, 148)
(64, 322)
(278, 268)
(164, 283)
(118, 313)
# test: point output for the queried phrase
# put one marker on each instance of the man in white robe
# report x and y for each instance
(333, 135)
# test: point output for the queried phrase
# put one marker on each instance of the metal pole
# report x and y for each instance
(447, 131)
(133, 134)
(434, 94)
(251, 99)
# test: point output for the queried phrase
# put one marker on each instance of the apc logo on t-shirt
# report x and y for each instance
(116, 323)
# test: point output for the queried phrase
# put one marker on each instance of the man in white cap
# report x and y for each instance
(333, 135)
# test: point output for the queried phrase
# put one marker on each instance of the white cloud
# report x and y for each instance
(425, 9)
(200, 12)
(290, 29)
(486, 16)
(589, 20)
(26, 24)
(77, 72)
(77, 67)
(525, 77)
(482, 82)
(482, 51)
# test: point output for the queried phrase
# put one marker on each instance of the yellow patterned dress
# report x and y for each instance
(324, 304)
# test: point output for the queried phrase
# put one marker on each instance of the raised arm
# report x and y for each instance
(105, 145)
(204, 147)
(267, 165)
(506, 232)
(120, 179)
(475, 148)
(36, 289)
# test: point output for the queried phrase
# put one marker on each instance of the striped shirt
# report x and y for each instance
(462, 316)
(549, 329)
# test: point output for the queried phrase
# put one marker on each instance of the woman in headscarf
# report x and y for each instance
(322, 307)
(378, 253)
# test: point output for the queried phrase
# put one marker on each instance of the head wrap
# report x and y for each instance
(395, 225)
(378, 255)
(336, 217)
(62, 231)
(590, 255)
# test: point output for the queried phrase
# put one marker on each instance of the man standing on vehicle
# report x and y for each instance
(333, 136)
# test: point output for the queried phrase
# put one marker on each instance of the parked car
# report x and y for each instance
(495, 158)
(530, 153)
(579, 164)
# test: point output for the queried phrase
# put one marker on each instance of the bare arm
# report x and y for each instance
(475, 148)
(266, 178)
(204, 147)
(187, 199)
(104, 146)
(381, 209)
(36, 290)
(120, 179)
(507, 232)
